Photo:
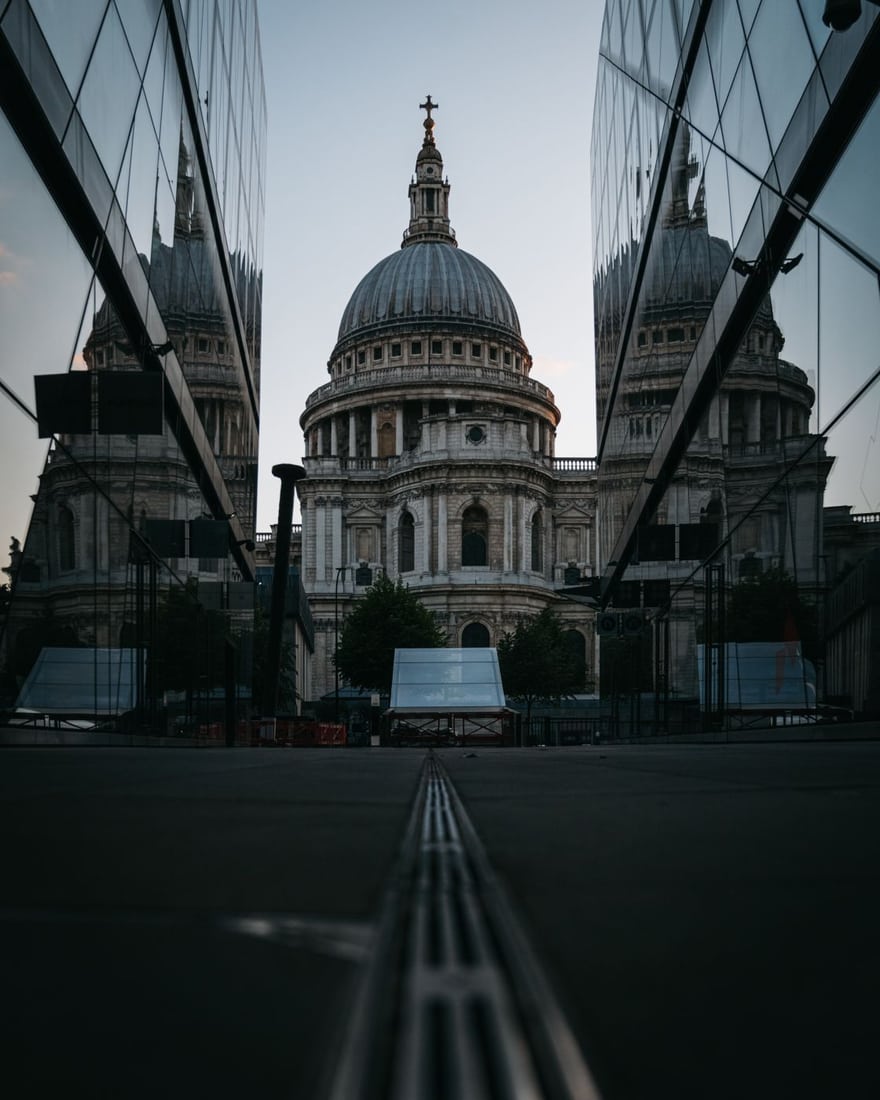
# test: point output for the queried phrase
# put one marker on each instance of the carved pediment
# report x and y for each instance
(575, 512)
(365, 513)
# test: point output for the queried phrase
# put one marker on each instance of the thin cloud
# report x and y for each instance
(544, 367)
(8, 278)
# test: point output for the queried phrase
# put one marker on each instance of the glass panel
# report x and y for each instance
(634, 39)
(779, 28)
(748, 9)
(702, 104)
(742, 123)
(662, 50)
(812, 16)
(44, 280)
(139, 18)
(71, 34)
(106, 101)
(849, 338)
(725, 39)
(615, 31)
(437, 678)
(848, 202)
(137, 183)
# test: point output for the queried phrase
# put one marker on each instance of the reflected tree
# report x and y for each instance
(538, 662)
(768, 607)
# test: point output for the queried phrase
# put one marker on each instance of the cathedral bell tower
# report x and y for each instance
(429, 192)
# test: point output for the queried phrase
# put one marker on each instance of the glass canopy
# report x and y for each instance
(446, 680)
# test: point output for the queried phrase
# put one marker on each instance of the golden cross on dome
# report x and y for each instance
(428, 106)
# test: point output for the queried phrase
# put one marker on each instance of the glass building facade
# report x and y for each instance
(132, 153)
(736, 264)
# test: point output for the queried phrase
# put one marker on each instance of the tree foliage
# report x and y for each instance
(769, 608)
(537, 661)
(187, 651)
(388, 617)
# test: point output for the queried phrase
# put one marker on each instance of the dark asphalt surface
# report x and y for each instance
(707, 915)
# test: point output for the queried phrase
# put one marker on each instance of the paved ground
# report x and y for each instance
(193, 922)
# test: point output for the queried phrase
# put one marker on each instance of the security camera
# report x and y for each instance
(840, 15)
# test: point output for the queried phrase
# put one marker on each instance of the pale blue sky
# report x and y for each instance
(514, 82)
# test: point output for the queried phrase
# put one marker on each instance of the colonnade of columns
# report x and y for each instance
(540, 433)
(432, 550)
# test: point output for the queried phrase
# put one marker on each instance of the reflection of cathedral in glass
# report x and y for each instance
(185, 283)
(734, 181)
(143, 296)
(147, 477)
(763, 406)
(733, 483)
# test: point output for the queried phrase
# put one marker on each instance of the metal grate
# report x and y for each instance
(452, 981)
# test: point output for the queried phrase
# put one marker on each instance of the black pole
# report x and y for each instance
(229, 692)
(336, 643)
(140, 646)
(153, 574)
(708, 636)
(288, 475)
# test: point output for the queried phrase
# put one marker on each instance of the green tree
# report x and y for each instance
(769, 608)
(187, 652)
(388, 617)
(537, 662)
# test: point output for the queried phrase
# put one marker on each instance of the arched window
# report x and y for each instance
(538, 542)
(474, 536)
(406, 543)
(66, 540)
(475, 636)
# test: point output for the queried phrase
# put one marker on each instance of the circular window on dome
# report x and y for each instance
(430, 170)
(475, 434)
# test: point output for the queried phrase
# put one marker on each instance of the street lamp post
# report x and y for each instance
(288, 475)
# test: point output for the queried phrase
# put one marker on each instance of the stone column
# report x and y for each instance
(536, 434)
(337, 555)
(320, 542)
(334, 438)
(524, 541)
(427, 507)
(352, 434)
(398, 440)
(753, 412)
(442, 557)
(507, 547)
(724, 400)
(391, 560)
(374, 434)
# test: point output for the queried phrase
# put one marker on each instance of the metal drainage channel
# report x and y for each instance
(454, 1005)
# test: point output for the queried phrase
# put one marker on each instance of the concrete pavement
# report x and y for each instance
(185, 922)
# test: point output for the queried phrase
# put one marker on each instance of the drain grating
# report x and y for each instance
(454, 1005)
(459, 1034)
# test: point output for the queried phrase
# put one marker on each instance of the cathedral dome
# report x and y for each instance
(430, 282)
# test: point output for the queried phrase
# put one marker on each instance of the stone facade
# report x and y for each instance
(430, 452)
